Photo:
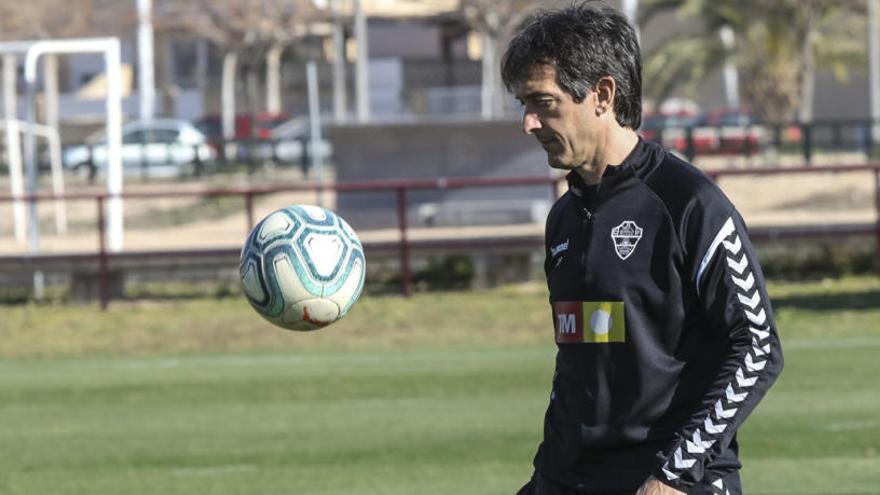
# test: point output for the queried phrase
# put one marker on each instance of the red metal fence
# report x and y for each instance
(401, 188)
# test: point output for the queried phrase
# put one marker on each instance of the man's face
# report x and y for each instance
(568, 131)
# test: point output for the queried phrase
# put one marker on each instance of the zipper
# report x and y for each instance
(587, 223)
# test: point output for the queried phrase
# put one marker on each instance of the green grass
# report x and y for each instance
(442, 393)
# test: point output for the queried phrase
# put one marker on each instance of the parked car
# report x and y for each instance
(260, 127)
(257, 138)
(158, 148)
(671, 130)
(737, 130)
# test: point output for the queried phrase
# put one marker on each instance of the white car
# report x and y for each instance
(158, 148)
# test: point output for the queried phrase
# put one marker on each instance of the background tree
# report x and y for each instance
(777, 47)
(39, 19)
(252, 34)
(494, 21)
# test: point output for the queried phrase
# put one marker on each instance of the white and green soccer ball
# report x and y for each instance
(302, 267)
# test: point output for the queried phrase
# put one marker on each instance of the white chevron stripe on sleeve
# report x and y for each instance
(733, 396)
(723, 413)
(755, 360)
(735, 246)
(751, 302)
(723, 233)
(742, 381)
(754, 366)
(682, 463)
(693, 448)
(712, 428)
(758, 319)
(760, 350)
(740, 265)
(745, 284)
(697, 439)
(669, 474)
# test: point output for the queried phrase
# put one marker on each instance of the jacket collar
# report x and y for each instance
(614, 174)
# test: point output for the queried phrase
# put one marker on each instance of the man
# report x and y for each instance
(664, 330)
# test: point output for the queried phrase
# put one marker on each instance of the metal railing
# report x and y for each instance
(753, 138)
(401, 189)
(195, 159)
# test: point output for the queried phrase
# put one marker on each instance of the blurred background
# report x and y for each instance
(217, 94)
(142, 139)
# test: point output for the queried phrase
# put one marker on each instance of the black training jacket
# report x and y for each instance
(665, 334)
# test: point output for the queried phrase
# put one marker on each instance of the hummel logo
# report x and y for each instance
(559, 248)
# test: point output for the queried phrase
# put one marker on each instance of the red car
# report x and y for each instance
(245, 128)
(671, 129)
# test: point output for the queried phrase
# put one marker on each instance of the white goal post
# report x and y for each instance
(33, 50)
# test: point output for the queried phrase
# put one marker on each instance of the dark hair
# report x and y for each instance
(584, 42)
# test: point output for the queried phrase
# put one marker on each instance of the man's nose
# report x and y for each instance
(530, 123)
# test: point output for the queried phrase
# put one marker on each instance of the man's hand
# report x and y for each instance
(653, 487)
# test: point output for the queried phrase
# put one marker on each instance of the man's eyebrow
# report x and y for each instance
(535, 94)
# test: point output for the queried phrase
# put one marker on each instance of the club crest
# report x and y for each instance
(626, 236)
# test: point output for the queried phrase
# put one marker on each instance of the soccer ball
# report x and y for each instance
(302, 267)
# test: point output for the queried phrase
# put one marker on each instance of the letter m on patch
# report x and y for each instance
(566, 323)
(569, 322)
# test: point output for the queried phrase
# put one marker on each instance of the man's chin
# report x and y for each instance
(558, 163)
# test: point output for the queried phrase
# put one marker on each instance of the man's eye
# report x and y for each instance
(545, 103)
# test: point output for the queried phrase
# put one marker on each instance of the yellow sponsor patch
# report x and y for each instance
(596, 322)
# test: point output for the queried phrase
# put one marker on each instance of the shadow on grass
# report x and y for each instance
(869, 299)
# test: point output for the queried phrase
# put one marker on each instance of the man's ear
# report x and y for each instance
(605, 91)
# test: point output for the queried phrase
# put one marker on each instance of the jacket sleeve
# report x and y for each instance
(730, 288)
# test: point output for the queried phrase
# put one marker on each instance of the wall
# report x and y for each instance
(433, 148)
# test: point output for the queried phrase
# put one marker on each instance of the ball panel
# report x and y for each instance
(351, 289)
(314, 215)
(292, 288)
(251, 283)
(345, 274)
(316, 312)
(278, 223)
(349, 233)
(326, 251)
(321, 264)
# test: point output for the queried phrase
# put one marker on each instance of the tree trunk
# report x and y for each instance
(50, 108)
(273, 79)
(340, 92)
(253, 92)
(488, 85)
(165, 73)
(227, 109)
(731, 74)
(362, 83)
(808, 65)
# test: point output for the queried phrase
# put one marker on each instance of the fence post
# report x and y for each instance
(199, 167)
(405, 273)
(143, 156)
(690, 150)
(249, 209)
(103, 272)
(807, 142)
(777, 137)
(877, 225)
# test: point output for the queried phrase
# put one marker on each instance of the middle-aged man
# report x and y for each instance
(665, 334)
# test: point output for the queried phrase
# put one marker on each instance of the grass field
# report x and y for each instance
(438, 394)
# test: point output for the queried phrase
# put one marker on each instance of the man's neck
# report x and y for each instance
(617, 145)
